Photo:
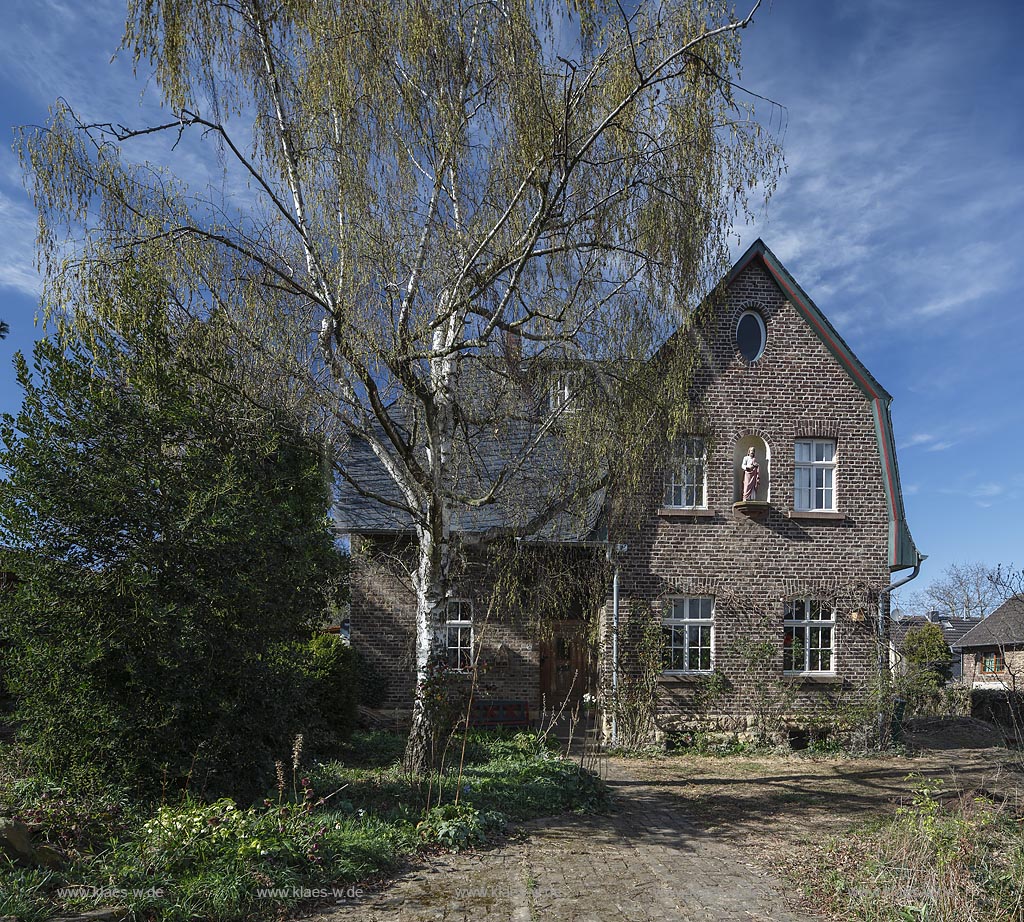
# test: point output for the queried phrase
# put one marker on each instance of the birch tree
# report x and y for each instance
(411, 187)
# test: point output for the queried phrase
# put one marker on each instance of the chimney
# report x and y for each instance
(513, 346)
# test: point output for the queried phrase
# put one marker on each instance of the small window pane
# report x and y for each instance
(687, 634)
(803, 451)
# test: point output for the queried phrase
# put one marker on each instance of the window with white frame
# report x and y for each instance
(814, 467)
(809, 630)
(563, 392)
(686, 478)
(455, 635)
(688, 627)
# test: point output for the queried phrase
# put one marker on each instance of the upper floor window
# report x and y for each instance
(686, 478)
(814, 475)
(992, 663)
(689, 632)
(456, 634)
(751, 335)
(563, 391)
(808, 643)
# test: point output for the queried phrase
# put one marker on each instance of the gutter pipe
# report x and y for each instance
(921, 558)
(883, 647)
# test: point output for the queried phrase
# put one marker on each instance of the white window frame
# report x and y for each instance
(563, 391)
(808, 614)
(458, 616)
(806, 498)
(687, 460)
(684, 615)
(763, 329)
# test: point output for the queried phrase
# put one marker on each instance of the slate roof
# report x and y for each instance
(953, 629)
(1004, 627)
(521, 499)
(359, 514)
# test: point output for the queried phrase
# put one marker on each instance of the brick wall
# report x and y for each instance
(383, 628)
(796, 389)
(1010, 677)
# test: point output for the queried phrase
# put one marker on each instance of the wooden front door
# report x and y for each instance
(565, 664)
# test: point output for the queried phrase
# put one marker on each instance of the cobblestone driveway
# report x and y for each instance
(644, 863)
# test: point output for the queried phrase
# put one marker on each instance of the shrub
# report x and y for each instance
(939, 858)
(337, 827)
(333, 669)
(999, 706)
(459, 826)
(170, 550)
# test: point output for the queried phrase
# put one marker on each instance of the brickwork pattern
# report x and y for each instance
(795, 390)
(383, 629)
(1011, 677)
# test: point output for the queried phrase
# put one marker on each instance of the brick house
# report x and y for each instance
(992, 652)
(769, 608)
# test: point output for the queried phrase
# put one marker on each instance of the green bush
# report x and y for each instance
(333, 669)
(338, 826)
(459, 826)
(170, 549)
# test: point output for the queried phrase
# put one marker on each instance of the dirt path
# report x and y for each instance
(692, 838)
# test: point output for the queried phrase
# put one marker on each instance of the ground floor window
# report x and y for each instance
(808, 636)
(456, 634)
(992, 663)
(689, 632)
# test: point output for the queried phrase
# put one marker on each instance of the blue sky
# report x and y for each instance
(900, 214)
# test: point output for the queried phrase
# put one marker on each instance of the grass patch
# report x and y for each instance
(940, 858)
(338, 824)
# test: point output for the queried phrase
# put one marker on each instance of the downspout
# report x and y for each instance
(883, 647)
(883, 657)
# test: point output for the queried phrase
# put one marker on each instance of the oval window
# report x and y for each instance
(751, 336)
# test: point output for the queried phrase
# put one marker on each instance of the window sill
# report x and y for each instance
(826, 515)
(813, 678)
(684, 678)
(687, 511)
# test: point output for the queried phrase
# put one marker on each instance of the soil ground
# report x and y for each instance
(693, 837)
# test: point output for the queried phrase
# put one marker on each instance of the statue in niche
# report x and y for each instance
(751, 476)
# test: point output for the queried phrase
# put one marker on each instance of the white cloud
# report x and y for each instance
(17, 246)
(894, 213)
(928, 441)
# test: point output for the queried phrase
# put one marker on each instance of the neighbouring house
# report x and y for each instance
(992, 652)
(953, 629)
(768, 596)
